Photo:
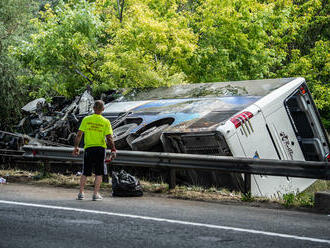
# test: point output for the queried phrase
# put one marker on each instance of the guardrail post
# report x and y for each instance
(46, 168)
(172, 178)
(247, 183)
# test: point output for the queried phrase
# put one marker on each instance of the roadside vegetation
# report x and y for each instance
(303, 200)
(51, 47)
(306, 198)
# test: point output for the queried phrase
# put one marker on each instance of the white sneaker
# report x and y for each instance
(81, 196)
(97, 197)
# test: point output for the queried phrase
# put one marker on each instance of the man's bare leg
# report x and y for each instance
(97, 184)
(83, 179)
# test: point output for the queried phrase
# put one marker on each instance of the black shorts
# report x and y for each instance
(94, 161)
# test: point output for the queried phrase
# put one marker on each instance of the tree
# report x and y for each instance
(315, 68)
(64, 48)
(14, 25)
(236, 40)
(142, 47)
(150, 47)
(308, 49)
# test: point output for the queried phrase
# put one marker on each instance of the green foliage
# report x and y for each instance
(305, 200)
(65, 43)
(235, 40)
(318, 186)
(288, 199)
(14, 19)
(300, 199)
(149, 48)
(314, 67)
(307, 50)
(247, 197)
(312, 20)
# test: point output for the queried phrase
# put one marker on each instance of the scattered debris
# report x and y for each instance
(2, 180)
(34, 105)
(12, 141)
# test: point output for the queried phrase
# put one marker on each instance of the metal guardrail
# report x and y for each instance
(10, 154)
(13, 152)
(172, 161)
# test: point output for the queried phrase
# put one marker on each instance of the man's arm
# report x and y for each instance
(77, 142)
(111, 144)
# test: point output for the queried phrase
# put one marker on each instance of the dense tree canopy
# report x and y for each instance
(237, 40)
(14, 27)
(147, 43)
(66, 42)
(149, 47)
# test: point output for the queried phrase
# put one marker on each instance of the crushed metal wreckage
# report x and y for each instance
(55, 123)
(46, 123)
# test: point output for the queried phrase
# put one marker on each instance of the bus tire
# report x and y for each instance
(148, 139)
(120, 134)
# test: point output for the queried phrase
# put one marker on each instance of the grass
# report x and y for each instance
(306, 198)
(247, 197)
(290, 200)
(203, 194)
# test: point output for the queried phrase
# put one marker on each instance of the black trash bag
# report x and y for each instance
(124, 184)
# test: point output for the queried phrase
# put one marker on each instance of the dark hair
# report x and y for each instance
(98, 105)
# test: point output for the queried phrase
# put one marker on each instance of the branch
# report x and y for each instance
(80, 73)
(118, 3)
(120, 9)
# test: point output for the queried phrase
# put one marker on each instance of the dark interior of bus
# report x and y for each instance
(299, 107)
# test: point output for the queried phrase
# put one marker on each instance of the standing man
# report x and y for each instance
(97, 131)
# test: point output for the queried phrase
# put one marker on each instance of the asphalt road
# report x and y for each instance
(32, 216)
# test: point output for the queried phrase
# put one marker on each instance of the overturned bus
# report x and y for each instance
(268, 119)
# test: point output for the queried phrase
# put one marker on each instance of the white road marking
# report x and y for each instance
(169, 221)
